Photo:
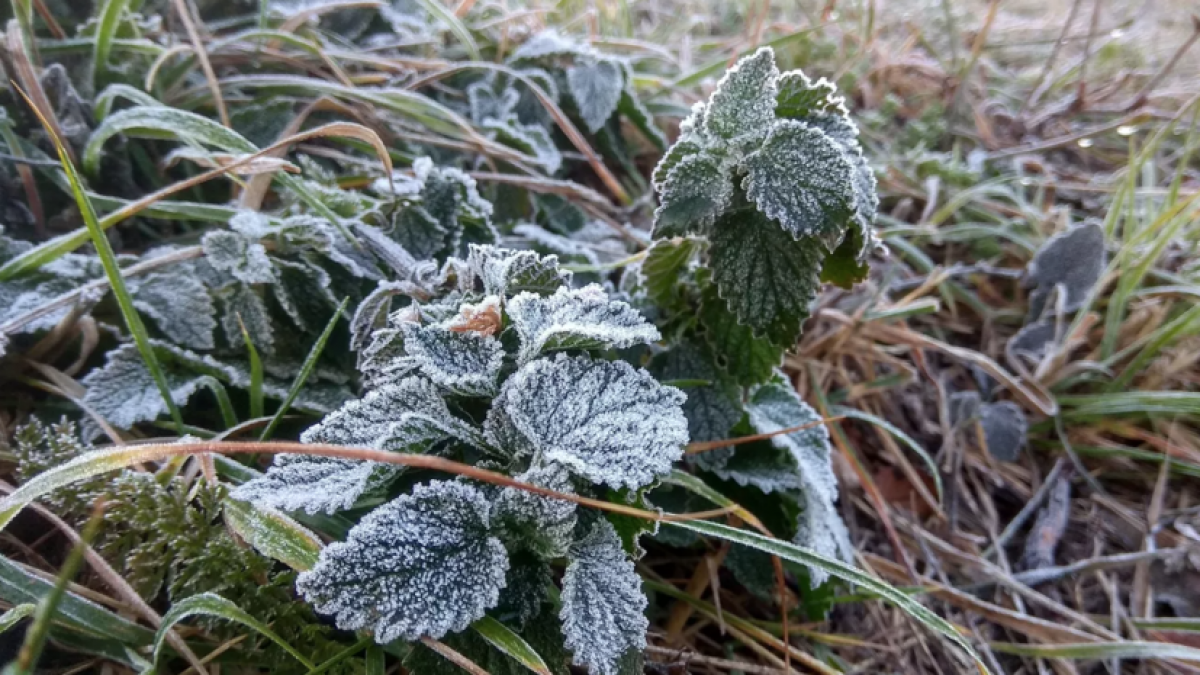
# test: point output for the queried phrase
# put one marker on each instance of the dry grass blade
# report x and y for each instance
(27, 77)
(184, 11)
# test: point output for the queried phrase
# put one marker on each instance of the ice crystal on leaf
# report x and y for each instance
(1073, 260)
(315, 484)
(596, 87)
(422, 564)
(582, 318)
(544, 525)
(771, 171)
(462, 361)
(605, 421)
(505, 272)
(603, 608)
(243, 257)
(180, 306)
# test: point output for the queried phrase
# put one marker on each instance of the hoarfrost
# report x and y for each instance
(582, 318)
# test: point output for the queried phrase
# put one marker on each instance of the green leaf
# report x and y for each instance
(310, 362)
(747, 359)
(804, 180)
(766, 277)
(503, 638)
(576, 318)
(180, 306)
(13, 616)
(238, 255)
(106, 29)
(211, 604)
(273, 534)
(711, 409)
(842, 267)
(743, 103)
(662, 271)
(696, 192)
(799, 97)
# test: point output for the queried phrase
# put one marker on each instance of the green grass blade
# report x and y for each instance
(375, 663)
(503, 638)
(899, 435)
(105, 100)
(108, 259)
(274, 534)
(13, 616)
(836, 568)
(106, 30)
(256, 373)
(436, 8)
(43, 614)
(310, 362)
(210, 604)
(1095, 651)
(224, 405)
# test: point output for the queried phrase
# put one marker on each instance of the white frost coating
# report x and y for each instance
(743, 103)
(603, 607)
(1075, 258)
(245, 259)
(596, 87)
(124, 393)
(180, 306)
(799, 97)
(773, 407)
(544, 525)
(315, 484)
(696, 191)
(603, 420)
(803, 179)
(683, 148)
(576, 318)
(420, 565)
(506, 272)
(409, 416)
(550, 43)
(240, 302)
(464, 362)
(251, 224)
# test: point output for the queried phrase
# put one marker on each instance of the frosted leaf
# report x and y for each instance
(526, 589)
(758, 464)
(464, 362)
(409, 416)
(697, 190)
(747, 359)
(1034, 340)
(372, 312)
(531, 139)
(549, 43)
(506, 273)
(485, 103)
(420, 233)
(603, 606)
(180, 306)
(682, 149)
(245, 259)
(766, 278)
(420, 565)
(773, 407)
(124, 393)
(804, 180)
(21, 296)
(240, 300)
(251, 224)
(1075, 258)
(799, 97)
(388, 251)
(603, 420)
(543, 525)
(596, 87)
(1004, 428)
(711, 409)
(576, 318)
(315, 484)
(632, 108)
(310, 233)
(743, 103)
(304, 294)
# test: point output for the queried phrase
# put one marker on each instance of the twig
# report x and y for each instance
(1028, 510)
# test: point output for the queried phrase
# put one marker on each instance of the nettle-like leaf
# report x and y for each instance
(746, 359)
(422, 564)
(543, 525)
(581, 318)
(771, 171)
(605, 421)
(603, 608)
(462, 361)
(776, 406)
(663, 268)
(712, 409)
(507, 273)
(180, 306)
(767, 278)
(315, 484)
(438, 211)
(596, 85)
(1005, 429)
(1074, 259)
(245, 258)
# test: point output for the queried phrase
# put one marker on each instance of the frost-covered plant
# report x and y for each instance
(496, 361)
(770, 172)
(599, 87)
(765, 194)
